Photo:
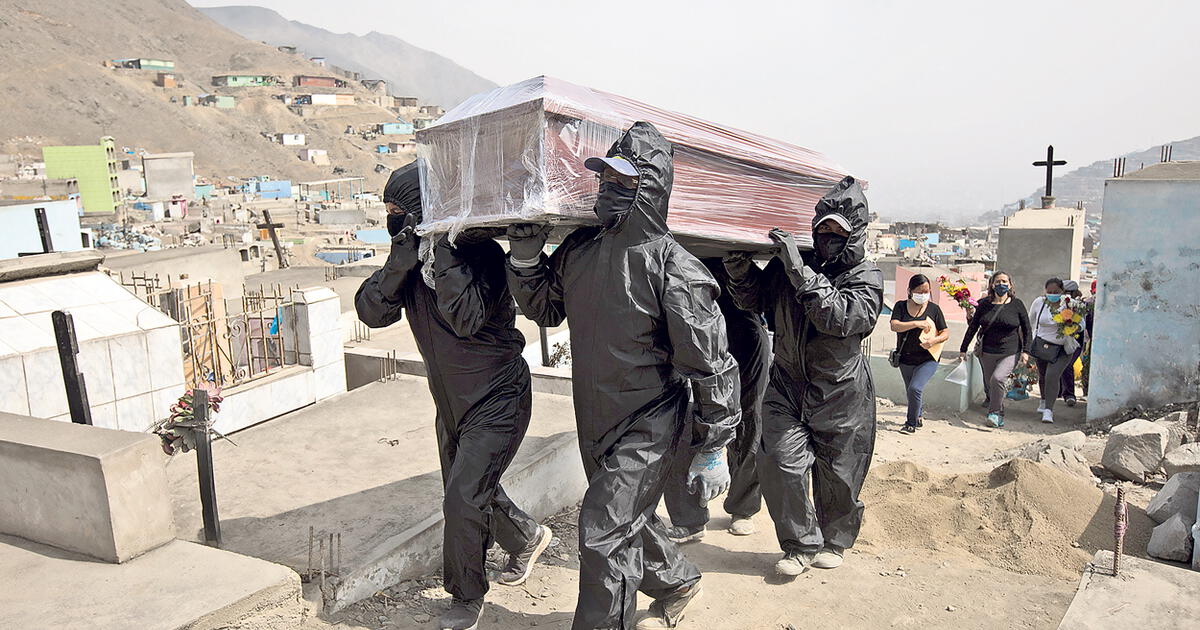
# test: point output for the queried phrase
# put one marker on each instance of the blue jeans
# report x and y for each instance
(915, 379)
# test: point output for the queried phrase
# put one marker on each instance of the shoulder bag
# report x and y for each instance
(1043, 350)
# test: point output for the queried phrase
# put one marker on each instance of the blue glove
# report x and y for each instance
(708, 476)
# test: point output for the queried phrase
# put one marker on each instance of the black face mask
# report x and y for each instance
(829, 246)
(613, 203)
(395, 223)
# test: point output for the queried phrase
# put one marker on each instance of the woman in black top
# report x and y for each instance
(1003, 327)
(919, 325)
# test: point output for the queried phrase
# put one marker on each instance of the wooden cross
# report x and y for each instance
(1049, 163)
(270, 227)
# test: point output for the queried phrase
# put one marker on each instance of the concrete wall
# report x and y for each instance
(168, 174)
(939, 393)
(95, 491)
(1147, 334)
(1033, 255)
(19, 229)
(341, 217)
(187, 265)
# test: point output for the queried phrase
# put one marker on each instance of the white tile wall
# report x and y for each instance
(96, 365)
(24, 297)
(329, 380)
(165, 353)
(327, 348)
(161, 401)
(324, 316)
(131, 371)
(105, 415)
(44, 382)
(103, 322)
(6, 311)
(24, 335)
(135, 413)
(14, 398)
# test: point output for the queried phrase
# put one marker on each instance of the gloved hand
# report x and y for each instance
(794, 263)
(526, 240)
(404, 256)
(737, 264)
(1070, 346)
(708, 476)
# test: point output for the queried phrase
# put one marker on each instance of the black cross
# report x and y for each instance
(1049, 163)
(270, 227)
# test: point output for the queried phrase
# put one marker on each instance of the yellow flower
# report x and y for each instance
(1057, 317)
(1070, 330)
(1078, 318)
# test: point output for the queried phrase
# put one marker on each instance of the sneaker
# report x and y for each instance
(741, 526)
(668, 611)
(1071, 400)
(995, 420)
(680, 535)
(908, 428)
(463, 615)
(1041, 406)
(520, 564)
(828, 558)
(1048, 416)
(793, 563)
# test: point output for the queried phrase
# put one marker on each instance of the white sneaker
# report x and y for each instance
(1048, 416)
(1041, 406)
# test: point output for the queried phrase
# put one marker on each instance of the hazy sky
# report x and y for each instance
(942, 105)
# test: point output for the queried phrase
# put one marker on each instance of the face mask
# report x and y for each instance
(613, 203)
(920, 298)
(829, 246)
(1054, 298)
(395, 223)
(1000, 289)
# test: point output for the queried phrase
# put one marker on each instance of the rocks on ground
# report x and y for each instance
(1178, 496)
(1135, 449)
(1177, 427)
(1172, 540)
(1184, 459)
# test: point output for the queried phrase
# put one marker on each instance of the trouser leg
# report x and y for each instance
(843, 456)
(996, 370)
(785, 465)
(1052, 379)
(682, 505)
(744, 498)
(622, 545)
(486, 442)
(513, 529)
(1066, 387)
(915, 379)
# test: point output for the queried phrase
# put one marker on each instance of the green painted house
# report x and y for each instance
(94, 167)
(243, 80)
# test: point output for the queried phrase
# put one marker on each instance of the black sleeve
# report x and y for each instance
(1026, 331)
(902, 304)
(972, 328)
(467, 293)
(939, 318)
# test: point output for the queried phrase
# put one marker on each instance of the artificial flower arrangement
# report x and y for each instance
(1070, 316)
(178, 431)
(961, 294)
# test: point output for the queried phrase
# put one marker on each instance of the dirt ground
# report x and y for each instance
(921, 562)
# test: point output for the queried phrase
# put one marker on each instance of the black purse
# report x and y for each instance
(1041, 349)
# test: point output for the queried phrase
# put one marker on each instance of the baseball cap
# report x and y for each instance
(616, 163)
(837, 218)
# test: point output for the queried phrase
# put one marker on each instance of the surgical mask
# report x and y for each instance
(829, 246)
(395, 223)
(1000, 289)
(1053, 298)
(920, 298)
(613, 203)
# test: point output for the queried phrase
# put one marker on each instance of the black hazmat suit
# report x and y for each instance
(819, 411)
(465, 332)
(750, 345)
(644, 327)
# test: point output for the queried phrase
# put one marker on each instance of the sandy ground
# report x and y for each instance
(880, 585)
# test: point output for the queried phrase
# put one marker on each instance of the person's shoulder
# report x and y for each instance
(1017, 302)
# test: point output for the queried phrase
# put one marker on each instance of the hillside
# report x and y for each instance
(1086, 183)
(409, 71)
(56, 90)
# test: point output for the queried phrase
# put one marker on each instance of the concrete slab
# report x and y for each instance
(1147, 595)
(178, 585)
(363, 464)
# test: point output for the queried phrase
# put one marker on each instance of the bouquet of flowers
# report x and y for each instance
(1070, 317)
(178, 431)
(958, 290)
(1023, 376)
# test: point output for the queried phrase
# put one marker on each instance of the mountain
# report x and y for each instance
(56, 90)
(409, 71)
(1086, 183)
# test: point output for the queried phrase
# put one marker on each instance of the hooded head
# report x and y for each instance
(644, 216)
(403, 190)
(847, 205)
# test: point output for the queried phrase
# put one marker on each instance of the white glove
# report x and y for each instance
(1070, 345)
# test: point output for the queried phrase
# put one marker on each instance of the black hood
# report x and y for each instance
(404, 189)
(847, 200)
(653, 156)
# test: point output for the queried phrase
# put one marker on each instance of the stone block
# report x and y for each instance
(95, 491)
(1178, 496)
(1186, 458)
(1135, 448)
(1065, 459)
(1171, 540)
(1176, 424)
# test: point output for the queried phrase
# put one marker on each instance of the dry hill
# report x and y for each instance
(56, 91)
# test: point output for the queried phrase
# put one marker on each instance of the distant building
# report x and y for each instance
(219, 101)
(1037, 244)
(320, 61)
(143, 64)
(244, 80)
(378, 86)
(1146, 349)
(290, 139)
(94, 167)
(319, 157)
(40, 227)
(39, 189)
(328, 99)
(169, 175)
(435, 111)
(404, 101)
(291, 50)
(397, 147)
(382, 148)
(306, 80)
(166, 80)
(399, 128)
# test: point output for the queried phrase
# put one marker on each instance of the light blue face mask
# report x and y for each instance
(1053, 298)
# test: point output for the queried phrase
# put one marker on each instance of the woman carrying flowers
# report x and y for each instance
(1054, 325)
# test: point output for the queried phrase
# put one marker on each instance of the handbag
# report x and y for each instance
(894, 358)
(1041, 349)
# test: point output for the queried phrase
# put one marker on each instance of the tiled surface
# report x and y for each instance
(329, 380)
(43, 379)
(105, 415)
(134, 413)
(317, 294)
(24, 297)
(131, 372)
(262, 401)
(327, 348)
(161, 401)
(24, 335)
(13, 396)
(165, 357)
(96, 366)
(324, 316)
